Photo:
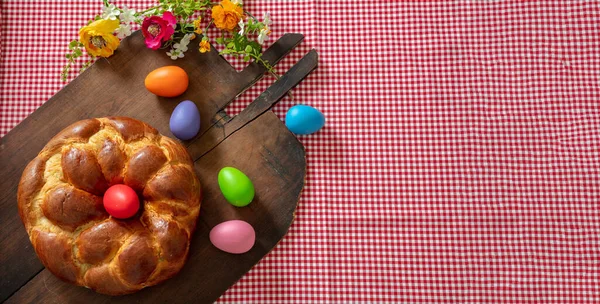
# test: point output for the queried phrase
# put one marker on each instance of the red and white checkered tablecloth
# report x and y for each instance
(460, 162)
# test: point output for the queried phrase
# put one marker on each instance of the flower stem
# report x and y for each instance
(147, 10)
(270, 70)
(206, 28)
(251, 16)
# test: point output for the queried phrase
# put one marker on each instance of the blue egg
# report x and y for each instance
(302, 120)
(185, 120)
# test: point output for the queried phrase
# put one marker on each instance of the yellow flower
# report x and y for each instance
(204, 46)
(227, 15)
(197, 28)
(98, 37)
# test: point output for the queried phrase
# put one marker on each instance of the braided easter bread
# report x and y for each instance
(60, 204)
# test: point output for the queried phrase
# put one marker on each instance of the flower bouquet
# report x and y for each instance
(171, 25)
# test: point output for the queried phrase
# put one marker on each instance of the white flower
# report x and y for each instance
(175, 54)
(263, 35)
(186, 38)
(241, 24)
(180, 47)
(127, 15)
(267, 19)
(123, 31)
(237, 2)
(110, 12)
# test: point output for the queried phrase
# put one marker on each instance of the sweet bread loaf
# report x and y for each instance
(60, 204)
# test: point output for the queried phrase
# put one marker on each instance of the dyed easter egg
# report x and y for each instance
(167, 81)
(121, 201)
(185, 120)
(233, 236)
(302, 120)
(236, 186)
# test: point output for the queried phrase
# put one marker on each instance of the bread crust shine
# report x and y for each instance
(60, 204)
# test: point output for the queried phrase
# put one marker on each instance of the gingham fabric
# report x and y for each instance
(459, 164)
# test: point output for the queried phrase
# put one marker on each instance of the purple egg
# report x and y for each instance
(185, 120)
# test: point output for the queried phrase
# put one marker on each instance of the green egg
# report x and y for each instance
(236, 186)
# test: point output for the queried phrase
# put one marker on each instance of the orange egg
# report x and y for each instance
(168, 81)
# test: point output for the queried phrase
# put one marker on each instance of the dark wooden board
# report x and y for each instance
(259, 144)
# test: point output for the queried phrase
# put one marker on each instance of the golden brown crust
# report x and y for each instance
(56, 254)
(166, 186)
(81, 169)
(176, 152)
(31, 183)
(131, 129)
(80, 131)
(60, 204)
(101, 241)
(70, 207)
(112, 160)
(171, 238)
(143, 165)
(101, 279)
(138, 260)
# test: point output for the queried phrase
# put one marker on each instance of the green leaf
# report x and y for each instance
(253, 26)
(256, 47)
(240, 42)
(230, 45)
(68, 56)
(246, 58)
(248, 49)
(220, 40)
(236, 44)
(78, 53)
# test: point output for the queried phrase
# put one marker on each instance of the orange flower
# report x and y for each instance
(227, 15)
(204, 46)
(197, 28)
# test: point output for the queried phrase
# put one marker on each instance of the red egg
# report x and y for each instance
(121, 201)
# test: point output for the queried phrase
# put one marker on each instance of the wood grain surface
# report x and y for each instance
(259, 145)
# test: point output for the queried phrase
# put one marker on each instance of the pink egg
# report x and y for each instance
(233, 236)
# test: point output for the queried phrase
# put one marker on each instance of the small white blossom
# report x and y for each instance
(263, 35)
(123, 31)
(128, 15)
(187, 38)
(241, 24)
(237, 2)
(267, 19)
(110, 12)
(175, 54)
(180, 47)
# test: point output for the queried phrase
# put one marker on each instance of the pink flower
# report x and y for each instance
(157, 30)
